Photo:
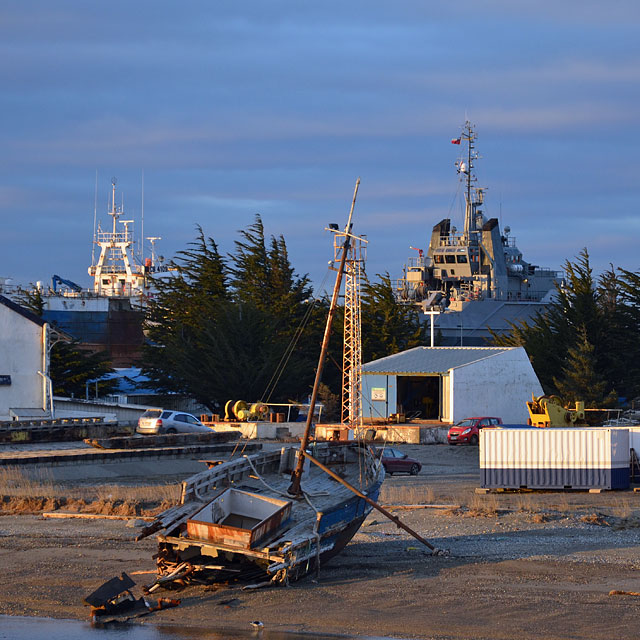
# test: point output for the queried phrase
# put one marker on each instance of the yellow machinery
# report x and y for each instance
(548, 411)
(241, 411)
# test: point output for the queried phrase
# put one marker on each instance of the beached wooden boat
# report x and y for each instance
(237, 519)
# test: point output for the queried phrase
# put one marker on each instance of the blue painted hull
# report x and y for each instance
(336, 528)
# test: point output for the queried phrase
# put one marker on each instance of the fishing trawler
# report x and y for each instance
(109, 315)
(476, 280)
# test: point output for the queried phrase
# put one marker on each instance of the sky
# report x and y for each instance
(232, 109)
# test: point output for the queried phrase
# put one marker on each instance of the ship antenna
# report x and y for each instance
(469, 135)
(113, 212)
(95, 218)
(142, 223)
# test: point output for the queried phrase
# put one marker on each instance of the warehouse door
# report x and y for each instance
(419, 396)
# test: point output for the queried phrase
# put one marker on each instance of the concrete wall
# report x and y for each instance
(263, 430)
(21, 358)
(499, 385)
(74, 408)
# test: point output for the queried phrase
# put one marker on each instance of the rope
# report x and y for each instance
(282, 493)
(286, 356)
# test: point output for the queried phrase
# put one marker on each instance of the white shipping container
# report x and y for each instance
(555, 458)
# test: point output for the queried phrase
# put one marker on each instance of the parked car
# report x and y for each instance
(395, 461)
(467, 431)
(155, 421)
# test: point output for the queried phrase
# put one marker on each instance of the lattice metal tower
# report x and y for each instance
(352, 350)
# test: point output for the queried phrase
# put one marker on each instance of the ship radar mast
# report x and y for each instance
(115, 273)
(465, 168)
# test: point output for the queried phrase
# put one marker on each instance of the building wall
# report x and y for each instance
(21, 358)
(372, 409)
(499, 385)
(445, 401)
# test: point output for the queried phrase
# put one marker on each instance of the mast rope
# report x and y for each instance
(283, 493)
(286, 356)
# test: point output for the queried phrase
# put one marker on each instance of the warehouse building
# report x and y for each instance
(449, 384)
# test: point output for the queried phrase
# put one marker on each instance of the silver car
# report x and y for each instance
(155, 421)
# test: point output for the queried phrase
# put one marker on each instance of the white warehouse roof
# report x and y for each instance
(425, 360)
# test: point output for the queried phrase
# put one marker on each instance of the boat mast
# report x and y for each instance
(294, 487)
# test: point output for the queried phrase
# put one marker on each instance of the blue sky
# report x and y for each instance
(238, 108)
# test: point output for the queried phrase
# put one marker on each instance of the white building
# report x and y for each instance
(450, 383)
(25, 389)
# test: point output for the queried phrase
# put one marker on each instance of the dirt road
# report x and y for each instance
(521, 566)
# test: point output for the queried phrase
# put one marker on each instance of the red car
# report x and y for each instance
(467, 431)
(395, 461)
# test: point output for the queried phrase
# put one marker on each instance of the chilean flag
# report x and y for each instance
(456, 141)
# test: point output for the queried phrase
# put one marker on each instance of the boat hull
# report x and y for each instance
(315, 534)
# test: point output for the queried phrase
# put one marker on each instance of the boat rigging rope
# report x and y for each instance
(282, 493)
(286, 356)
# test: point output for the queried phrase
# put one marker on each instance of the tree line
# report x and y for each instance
(245, 325)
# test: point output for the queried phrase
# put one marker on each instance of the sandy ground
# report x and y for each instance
(533, 565)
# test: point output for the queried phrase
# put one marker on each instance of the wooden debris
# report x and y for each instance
(615, 592)
(408, 507)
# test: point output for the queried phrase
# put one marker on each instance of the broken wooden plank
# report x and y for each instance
(408, 507)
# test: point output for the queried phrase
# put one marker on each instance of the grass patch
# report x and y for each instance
(36, 492)
(485, 506)
(406, 495)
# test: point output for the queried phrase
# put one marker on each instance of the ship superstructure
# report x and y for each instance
(476, 278)
(115, 274)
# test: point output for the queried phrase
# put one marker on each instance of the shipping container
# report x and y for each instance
(572, 458)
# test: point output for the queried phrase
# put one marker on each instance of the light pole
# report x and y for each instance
(432, 313)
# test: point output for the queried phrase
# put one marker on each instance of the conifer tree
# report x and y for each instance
(582, 325)
(223, 329)
(580, 377)
(185, 307)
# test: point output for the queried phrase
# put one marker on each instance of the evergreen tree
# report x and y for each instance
(583, 326)
(74, 372)
(235, 328)
(235, 359)
(581, 379)
(263, 277)
(186, 307)
(627, 330)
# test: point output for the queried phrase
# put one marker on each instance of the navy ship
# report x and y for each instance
(476, 280)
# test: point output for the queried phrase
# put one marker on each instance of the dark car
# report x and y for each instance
(395, 461)
(467, 431)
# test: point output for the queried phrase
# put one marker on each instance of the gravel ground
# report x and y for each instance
(526, 565)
